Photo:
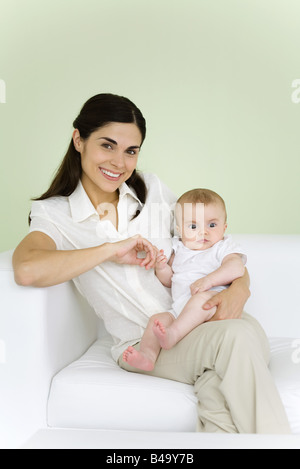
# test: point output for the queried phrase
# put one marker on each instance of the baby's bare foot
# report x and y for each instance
(137, 359)
(164, 335)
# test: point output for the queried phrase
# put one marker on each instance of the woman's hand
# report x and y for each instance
(126, 252)
(230, 302)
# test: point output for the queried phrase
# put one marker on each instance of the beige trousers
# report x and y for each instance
(227, 362)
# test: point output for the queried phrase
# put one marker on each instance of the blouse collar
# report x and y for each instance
(82, 207)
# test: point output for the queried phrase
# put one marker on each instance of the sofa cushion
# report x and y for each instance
(285, 369)
(93, 392)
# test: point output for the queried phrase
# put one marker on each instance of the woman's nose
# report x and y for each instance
(118, 160)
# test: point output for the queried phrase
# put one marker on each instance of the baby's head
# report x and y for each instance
(200, 218)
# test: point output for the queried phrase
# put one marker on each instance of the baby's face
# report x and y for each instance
(201, 226)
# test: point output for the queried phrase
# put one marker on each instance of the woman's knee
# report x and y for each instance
(246, 337)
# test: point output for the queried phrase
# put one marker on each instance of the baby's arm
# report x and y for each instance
(232, 268)
(163, 269)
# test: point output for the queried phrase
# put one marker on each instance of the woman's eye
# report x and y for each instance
(107, 146)
(133, 152)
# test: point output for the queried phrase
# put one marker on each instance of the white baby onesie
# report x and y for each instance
(191, 265)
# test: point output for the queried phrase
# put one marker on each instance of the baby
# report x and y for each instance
(203, 263)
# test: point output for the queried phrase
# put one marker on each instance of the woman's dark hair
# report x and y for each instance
(97, 112)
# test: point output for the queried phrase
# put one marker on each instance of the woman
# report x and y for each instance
(100, 223)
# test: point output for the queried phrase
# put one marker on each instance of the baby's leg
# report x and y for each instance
(191, 316)
(146, 356)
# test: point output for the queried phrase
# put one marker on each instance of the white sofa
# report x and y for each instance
(56, 369)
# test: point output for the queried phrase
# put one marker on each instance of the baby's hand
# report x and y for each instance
(161, 260)
(203, 284)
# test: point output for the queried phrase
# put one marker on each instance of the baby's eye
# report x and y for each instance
(212, 225)
(192, 226)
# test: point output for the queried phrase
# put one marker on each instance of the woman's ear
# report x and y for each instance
(77, 140)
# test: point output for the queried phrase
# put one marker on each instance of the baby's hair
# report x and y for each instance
(204, 196)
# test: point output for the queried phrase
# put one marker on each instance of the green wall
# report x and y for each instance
(212, 77)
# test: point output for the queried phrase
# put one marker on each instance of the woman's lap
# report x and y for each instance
(226, 361)
(196, 352)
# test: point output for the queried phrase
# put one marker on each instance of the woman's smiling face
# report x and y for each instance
(108, 158)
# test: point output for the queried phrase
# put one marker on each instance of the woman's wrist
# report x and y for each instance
(107, 252)
(241, 286)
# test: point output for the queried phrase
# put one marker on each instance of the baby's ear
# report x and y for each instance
(177, 231)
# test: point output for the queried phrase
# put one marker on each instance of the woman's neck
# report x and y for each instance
(97, 196)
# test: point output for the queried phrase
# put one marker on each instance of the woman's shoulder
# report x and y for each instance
(50, 205)
(157, 189)
(149, 178)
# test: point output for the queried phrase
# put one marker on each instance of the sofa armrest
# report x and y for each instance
(41, 331)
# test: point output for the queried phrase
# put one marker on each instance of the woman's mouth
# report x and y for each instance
(110, 175)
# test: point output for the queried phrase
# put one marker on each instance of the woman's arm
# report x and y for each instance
(230, 302)
(38, 263)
